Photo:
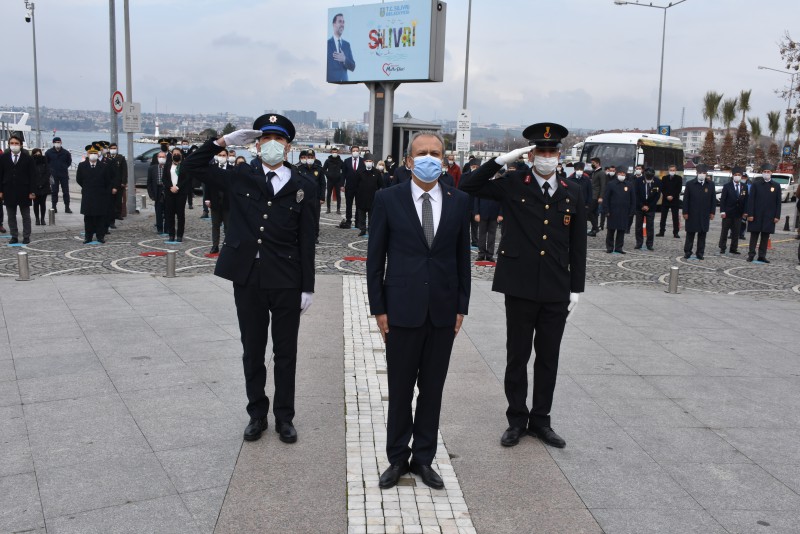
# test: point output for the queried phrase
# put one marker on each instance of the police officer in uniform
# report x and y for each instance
(763, 212)
(94, 178)
(268, 254)
(699, 206)
(311, 170)
(541, 268)
(119, 166)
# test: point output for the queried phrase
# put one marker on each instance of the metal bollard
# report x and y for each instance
(144, 202)
(51, 219)
(22, 267)
(673, 280)
(786, 226)
(171, 255)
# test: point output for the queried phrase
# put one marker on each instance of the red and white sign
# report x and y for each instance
(117, 101)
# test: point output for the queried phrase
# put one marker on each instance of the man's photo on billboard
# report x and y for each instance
(340, 56)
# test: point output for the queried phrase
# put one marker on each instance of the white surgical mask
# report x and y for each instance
(381, 167)
(57, 145)
(356, 154)
(162, 161)
(272, 152)
(701, 178)
(671, 173)
(171, 148)
(737, 179)
(648, 179)
(609, 173)
(368, 165)
(231, 159)
(543, 165)
(621, 177)
(15, 149)
(767, 176)
(113, 151)
(92, 157)
(637, 172)
(578, 173)
(221, 159)
(335, 154)
(303, 161)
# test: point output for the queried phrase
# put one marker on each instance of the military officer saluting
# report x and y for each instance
(268, 254)
(763, 212)
(541, 268)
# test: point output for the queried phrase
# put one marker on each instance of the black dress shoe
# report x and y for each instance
(430, 477)
(511, 436)
(490, 258)
(481, 258)
(637, 247)
(87, 242)
(677, 236)
(620, 251)
(99, 240)
(362, 233)
(113, 226)
(660, 234)
(722, 251)
(13, 240)
(172, 238)
(214, 250)
(735, 252)
(763, 260)
(255, 428)
(26, 240)
(699, 256)
(591, 233)
(180, 240)
(391, 476)
(749, 258)
(55, 210)
(546, 434)
(650, 248)
(67, 210)
(687, 256)
(286, 432)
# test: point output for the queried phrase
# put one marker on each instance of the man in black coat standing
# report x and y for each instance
(619, 204)
(352, 166)
(541, 268)
(17, 179)
(599, 181)
(763, 212)
(584, 183)
(95, 181)
(59, 160)
(156, 188)
(648, 191)
(268, 254)
(368, 182)
(671, 186)
(419, 300)
(333, 174)
(699, 206)
(312, 172)
(732, 204)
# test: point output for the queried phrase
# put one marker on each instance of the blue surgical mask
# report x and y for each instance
(427, 168)
(272, 152)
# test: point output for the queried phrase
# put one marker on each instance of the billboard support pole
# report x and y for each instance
(388, 120)
(373, 89)
(381, 118)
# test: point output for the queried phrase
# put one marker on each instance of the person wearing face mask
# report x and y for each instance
(599, 181)
(231, 156)
(763, 212)
(312, 172)
(156, 188)
(611, 173)
(453, 169)
(699, 206)
(648, 191)
(95, 181)
(584, 183)
(541, 269)
(119, 169)
(352, 166)
(732, 203)
(619, 204)
(671, 187)
(175, 193)
(386, 179)
(391, 165)
(59, 160)
(41, 185)
(268, 254)
(419, 299)
(218, 202)
(164, 144)
(17, 178)
(561, 174)
(333, 174)
(747, 183)
(368, 182)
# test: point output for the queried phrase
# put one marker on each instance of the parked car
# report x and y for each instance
(788, 185)
(142, 162)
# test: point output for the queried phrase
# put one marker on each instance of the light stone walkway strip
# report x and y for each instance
(411, 507)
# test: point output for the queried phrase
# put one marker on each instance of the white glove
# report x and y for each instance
(573, 302)
(306, 299)
(242, 137)
(514, 155)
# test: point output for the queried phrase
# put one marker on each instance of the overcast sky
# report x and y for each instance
(583, 63)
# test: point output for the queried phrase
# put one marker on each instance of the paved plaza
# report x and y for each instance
(122, 400)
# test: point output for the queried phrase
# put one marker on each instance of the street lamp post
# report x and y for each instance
(789, 110)
(663, 38)
(29, 17)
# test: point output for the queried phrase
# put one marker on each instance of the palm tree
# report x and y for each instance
(711, 107)
(728, 112)
(744, 102)
(773, 123)
(790, 122)
(755, 129)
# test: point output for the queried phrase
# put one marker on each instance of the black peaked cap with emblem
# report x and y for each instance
(768, 167)
(737, 170)
(702, 168)
(277, 124)
(91, 149)
(545, 134)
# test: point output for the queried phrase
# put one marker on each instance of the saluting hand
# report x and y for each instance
(514, 155)
(240, 137)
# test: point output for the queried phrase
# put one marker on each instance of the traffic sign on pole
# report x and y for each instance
(463, 131)
(132, 117)
(664, 129)
(117, 100)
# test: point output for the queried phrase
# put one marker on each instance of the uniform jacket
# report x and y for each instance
(599, 181)
(337, 71)
(542, 254)
(41, 184)
(584, 183)
(764, 205)
(730, 204)
(650, 200)
(619, 204)
(407, 279)
(315, 177)
(119, 170)
(333, 170)
(699, 201)
(17, 180)
(671, 186)
(95, 188)
(350, 174)
(367, 183)
(279, 229)
(59, 162)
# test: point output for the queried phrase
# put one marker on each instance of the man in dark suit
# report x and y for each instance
(584, 183)
(419, 301)
(648, 191)
(599, 181)
(352, 166)
(156, 179)
(268, 254)
(699, 206)
(671, 186)
(94, 178)
(17, 179)
(340, 57)
(541, 268)
(763, 212)
(732, 204)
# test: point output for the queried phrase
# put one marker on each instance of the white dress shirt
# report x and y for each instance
(552, 181)
(436, 203)
(173, 174)
(283, 174)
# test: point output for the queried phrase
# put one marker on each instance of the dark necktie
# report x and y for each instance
(427, 218)
(270, 189)
(737, 190)
(646, 190)
(16, 157)
(546, 189)
(339, 45)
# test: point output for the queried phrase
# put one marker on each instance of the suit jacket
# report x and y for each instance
(184, 180)
(542, 253)
(17, 181)
(280, 229)
(671, 186)
(699, 201)
(337, 71)
(350, 176)
(651, 201)
(731, 204)
(402, 174)
(599, 181)
(152, 182)
(585, 185)
(764, 205)
(407, 279)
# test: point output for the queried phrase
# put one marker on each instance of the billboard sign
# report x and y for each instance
(386, 42)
